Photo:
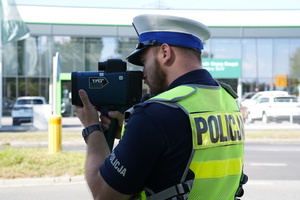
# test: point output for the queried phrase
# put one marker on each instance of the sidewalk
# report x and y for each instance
(258, 125)
(69, 124)
(73, 124)
(19, 182)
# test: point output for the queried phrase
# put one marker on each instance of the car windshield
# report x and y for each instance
(248, 95)
(37, 101)
(24, 102)
(285, 99)
(29, 101)
(255, 96)
(267, 93)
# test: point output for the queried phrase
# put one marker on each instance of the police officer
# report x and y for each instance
(186, 142)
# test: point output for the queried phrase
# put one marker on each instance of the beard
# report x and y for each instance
(157, 84)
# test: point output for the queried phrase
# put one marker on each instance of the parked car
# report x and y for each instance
(7, 106)
(278, 108)
(246, 103)
(22, 111)
(248, 95)
(243, 109)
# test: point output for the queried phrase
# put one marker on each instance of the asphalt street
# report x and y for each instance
(273, 171)
(272, 168)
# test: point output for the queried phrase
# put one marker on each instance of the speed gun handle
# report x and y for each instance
(110, 134)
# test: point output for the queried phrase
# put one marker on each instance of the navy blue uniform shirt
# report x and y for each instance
(156, 145)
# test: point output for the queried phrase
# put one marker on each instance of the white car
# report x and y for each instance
(22, 111)
(249, 102)
(279, 108)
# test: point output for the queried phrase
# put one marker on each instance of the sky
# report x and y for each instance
(171, 4)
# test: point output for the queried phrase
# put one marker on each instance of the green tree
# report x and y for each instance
(295, 64)
(295, 72)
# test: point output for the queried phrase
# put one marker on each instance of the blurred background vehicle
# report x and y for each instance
(274, 108)
(22, 111)
(7, 106)
(248, 102)
(67, 110)
(66, 106)
(248, 95)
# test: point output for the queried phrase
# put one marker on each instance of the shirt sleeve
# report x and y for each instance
(133, 159)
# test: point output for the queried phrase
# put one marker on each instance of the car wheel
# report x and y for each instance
(249, 118)
(16, 122)
(265, 118)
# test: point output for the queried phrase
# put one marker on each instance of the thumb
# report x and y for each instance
(84, 97)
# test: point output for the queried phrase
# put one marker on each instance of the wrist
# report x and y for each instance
(90, 129)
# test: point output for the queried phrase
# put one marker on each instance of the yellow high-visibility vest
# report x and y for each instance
(218, 139)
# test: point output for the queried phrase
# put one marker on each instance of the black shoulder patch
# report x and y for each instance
(229, 89)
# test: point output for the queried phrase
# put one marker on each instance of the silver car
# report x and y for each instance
(22, 111)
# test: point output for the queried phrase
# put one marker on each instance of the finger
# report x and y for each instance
(75, 108)
(84, 97)
(105, 127)
(105, 120)
(115, 114)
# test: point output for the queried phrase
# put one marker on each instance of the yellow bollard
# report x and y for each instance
(54, 134)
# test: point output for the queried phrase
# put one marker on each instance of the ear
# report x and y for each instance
(166, 53)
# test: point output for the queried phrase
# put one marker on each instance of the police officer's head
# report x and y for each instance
(155, 30)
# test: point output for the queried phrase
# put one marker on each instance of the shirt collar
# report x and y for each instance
(199, 76)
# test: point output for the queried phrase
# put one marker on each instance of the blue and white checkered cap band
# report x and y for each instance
(173, 38)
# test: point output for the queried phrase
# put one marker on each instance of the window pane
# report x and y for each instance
(10, 59)
(264, 58)
(29, 60)
(249, 68)
(226, 48)
(45, 55)
(71, 53)
(93, 48)
(281, 56)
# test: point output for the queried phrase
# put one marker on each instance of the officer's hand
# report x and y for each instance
(106, 121)
(87, 114)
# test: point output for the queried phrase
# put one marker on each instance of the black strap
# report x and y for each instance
(229, 89)
(176, 192)
(240, 191)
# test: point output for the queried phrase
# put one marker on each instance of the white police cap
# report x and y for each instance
(154, 29)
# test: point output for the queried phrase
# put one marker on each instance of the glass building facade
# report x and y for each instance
(270, 56)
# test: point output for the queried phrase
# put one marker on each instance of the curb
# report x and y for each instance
(267, 140)
(20, 182)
